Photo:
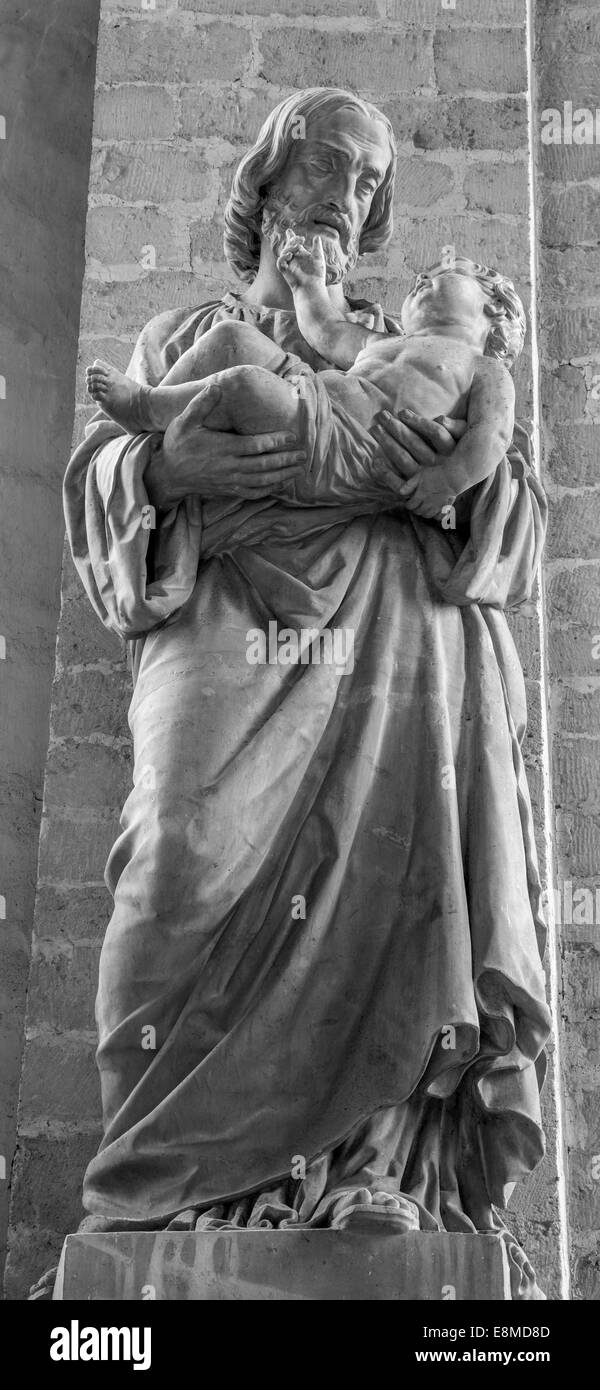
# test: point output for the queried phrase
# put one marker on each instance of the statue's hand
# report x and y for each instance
(427, 493)
(214, 463)
(410, 441)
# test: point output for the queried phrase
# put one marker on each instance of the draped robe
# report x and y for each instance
(326, 896)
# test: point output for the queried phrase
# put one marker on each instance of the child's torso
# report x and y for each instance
(429, 375)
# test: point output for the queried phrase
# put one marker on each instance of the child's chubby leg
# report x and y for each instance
(252, 400)
(228, 344)
(138, 408)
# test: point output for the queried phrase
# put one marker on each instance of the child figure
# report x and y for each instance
(464, 326)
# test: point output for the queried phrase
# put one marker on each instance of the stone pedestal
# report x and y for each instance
(282, 1265)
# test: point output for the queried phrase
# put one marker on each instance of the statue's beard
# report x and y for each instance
(341, 251)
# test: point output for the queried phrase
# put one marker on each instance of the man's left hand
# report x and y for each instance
(412, 446)
(410, 441)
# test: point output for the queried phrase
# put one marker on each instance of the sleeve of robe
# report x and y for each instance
(140, 567)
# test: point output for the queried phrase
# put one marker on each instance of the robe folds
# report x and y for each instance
(326, 896)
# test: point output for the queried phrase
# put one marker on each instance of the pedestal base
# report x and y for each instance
(282, 1265)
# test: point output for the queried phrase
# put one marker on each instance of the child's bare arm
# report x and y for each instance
(490, 425)
(322, 325)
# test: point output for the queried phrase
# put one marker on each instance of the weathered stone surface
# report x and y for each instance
(63, 985)
(60, 1081)
(229, 113)
(575, 526)
(128, 239)
(572, 593)
(577, 774)
(526, 633)
(422, 183)
(491, 60)
(574, 333)
(267, 1266)
(463, 14)
(498, 188)
(73, 914)
(74, 847)
(132, 112)
(574, 274)
(156, 50)
(578, 711)
(456, 122)
(564, 390)
(488, 239)
(87, 774)
(46, 1191)
(127, 306)
(568, 77)
(81, 639)
(137, 172)
(575, 458)
(377, 60)
(570, 163)
(572, 215)
(95, 701)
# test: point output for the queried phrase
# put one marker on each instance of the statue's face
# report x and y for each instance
(327, 185)
(441, 296)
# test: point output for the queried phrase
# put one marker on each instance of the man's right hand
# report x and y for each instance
(214, 463)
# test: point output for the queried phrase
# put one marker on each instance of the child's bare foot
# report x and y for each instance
(124, 399)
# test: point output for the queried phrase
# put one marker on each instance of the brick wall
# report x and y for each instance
(180, 92)
(568, 41)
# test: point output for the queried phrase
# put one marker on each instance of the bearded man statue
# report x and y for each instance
(321, 1001)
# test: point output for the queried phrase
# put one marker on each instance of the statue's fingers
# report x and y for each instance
(277, 442)
(396, 453)
(202, 404)
(456, 428)
(409, 486)
(435, 433)
(256, 473)
(270, 479)
(401, 431)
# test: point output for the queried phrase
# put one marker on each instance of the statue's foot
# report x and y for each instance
(364, 1210)
(125, 400)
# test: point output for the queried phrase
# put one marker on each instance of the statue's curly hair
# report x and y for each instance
(261, 167)
(509, 323)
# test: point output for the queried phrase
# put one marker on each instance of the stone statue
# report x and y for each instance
(321, 1001)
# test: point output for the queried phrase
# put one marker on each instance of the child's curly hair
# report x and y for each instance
(509, 324)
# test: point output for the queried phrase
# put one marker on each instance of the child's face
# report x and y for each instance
(441, 296)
